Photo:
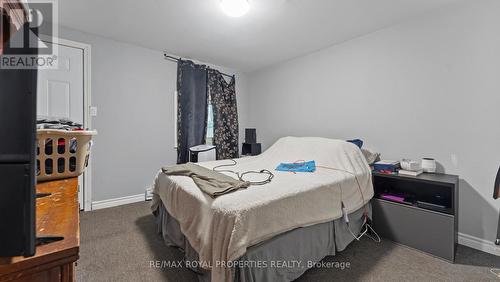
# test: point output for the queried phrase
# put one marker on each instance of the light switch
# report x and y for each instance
(93, 111)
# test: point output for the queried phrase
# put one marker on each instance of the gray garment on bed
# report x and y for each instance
(316, 242)
(211, 182)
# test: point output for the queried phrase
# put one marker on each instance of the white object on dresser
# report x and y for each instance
(410, 165)
(429, 165)
(410, 172)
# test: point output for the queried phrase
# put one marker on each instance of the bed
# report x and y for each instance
(296, 217)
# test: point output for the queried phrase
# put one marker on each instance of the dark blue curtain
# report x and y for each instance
(192, 107)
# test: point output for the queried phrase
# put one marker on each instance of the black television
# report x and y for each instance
(17, 155)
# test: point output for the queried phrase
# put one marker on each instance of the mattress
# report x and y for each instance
(221, 229)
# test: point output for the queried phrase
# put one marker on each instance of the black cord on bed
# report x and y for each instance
(240, 176)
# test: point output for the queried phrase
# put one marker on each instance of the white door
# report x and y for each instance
(60, 92)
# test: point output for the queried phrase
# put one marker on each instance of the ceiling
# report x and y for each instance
(271, 32)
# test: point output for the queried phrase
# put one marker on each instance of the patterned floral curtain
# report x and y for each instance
(223, 97)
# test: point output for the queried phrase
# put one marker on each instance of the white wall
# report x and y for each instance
(426, 87)
(133, 89)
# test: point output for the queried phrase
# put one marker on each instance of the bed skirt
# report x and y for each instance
(284, 257)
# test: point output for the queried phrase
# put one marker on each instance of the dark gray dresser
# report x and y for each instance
(427, 218)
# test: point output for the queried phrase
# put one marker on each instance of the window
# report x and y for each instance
(210, 124)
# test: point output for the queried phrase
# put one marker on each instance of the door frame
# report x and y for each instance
(87, 102)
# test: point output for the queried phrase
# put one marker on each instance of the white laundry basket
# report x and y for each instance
(61, 153)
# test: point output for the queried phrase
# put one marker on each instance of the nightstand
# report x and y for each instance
(427, 218)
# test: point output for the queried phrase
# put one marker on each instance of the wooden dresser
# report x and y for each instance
(57, 214)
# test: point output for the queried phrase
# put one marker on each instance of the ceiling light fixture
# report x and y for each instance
(235, 8)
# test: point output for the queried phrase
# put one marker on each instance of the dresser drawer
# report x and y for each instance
(425, 230)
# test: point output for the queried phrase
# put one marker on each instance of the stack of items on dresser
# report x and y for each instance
(386, 166)
(403, 167)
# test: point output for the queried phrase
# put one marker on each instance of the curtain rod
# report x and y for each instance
(167, 57)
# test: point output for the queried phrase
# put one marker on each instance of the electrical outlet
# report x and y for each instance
(148, 194)
(454, 160)
(93, 111)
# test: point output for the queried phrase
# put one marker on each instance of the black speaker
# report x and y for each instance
(250, 135)
(252, 149)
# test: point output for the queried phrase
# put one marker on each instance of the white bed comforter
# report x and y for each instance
(221, 229)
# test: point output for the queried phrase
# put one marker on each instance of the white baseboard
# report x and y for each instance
(97, 205)
(478, 244)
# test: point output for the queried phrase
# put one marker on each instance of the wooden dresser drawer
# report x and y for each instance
(58, 215)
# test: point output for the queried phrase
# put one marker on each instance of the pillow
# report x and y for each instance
(371, 157)
(357, 142)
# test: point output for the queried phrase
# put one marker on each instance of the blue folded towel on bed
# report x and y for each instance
(309, 166)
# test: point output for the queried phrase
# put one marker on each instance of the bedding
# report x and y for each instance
(211, 182)
(221, 229)
(304, 246)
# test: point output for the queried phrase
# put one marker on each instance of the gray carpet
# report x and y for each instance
(119, 244)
